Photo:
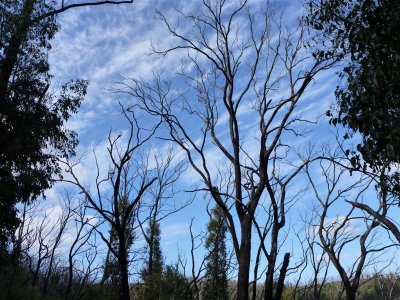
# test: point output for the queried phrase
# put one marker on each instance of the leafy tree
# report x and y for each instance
(155, 262)
(216, 281)
(32, 128)
(175, 285)
(365, 34)
(32, 120)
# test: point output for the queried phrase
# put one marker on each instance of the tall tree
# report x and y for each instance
(237, 67)
(216, 278)
(152, 274)
(32, 131)
(127, 176)
(365, 34)
(155, 259)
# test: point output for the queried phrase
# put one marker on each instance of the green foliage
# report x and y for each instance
(365, 33)
(175, 285)
(152, 274)
(171, 285)
(155, 260)
(159, 282)
(32, 128)
(216, 281)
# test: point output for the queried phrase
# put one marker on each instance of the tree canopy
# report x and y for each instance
(365, 34)
(33, 133)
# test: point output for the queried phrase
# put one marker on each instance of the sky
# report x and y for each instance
(106, 44)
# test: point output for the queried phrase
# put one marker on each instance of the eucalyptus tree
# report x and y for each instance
(33, 134)
(363, 34)
(339, 231)
(237, 119)
(119, 191)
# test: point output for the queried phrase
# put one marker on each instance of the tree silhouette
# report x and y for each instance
(33, 135)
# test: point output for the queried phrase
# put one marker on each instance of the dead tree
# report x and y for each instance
(317, 259)
(126, 179)
(387, 200)
(161, 202)
(337, 232)
(238, 61)
(82, 247)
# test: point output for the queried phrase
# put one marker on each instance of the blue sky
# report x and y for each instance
(104, 43)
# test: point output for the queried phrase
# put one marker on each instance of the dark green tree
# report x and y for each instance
(153, 272)
(175, 285)
(32, 128)
(365, 34)
(33, 135)
(216, 280)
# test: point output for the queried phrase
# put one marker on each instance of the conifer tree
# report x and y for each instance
(216, 281)
(153, 271)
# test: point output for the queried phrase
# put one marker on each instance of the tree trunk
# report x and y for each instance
(70, 275)
(244, 259)
(123, 267)
(350, 293)
(269, 277)
(282, 276)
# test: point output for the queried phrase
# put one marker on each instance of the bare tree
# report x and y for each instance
(125, 179)
(135, 188)
(64, 219)
(337, 233)
(240, 61)
(43, 241)
(161, 196)
(387, 200)
(82, 251)
(312, 263)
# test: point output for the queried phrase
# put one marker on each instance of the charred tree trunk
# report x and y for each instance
(123, 266)
(282, 276)
(244, 259)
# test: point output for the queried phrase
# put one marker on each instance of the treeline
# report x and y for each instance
(286, 207)
(49, 268)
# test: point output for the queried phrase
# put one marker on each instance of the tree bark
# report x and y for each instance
(123, 266)
(244, 259)
(381, 218)
(282, 276)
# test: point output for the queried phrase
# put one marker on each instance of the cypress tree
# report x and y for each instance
(152, 274)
